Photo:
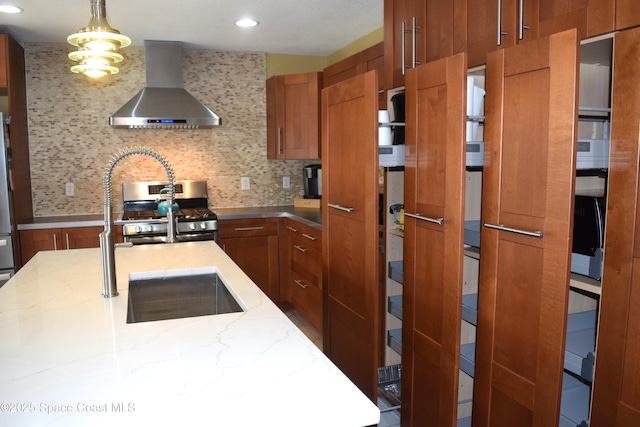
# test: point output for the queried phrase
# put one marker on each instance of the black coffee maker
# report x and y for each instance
(312, 177)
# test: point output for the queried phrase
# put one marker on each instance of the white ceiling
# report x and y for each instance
(300, 27)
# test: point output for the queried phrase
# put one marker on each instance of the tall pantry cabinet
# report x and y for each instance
(616, 396)
(433, 240)
(351, 289)
(527, 209)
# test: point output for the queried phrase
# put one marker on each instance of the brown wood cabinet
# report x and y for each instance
(627, 14)
(12, 77)
(590, 17)
(369, 59)
(527, 201)
(293, 116)
(301, 269)
(433, 241)
(404, 39)
(616, 401)
(350, 229)
(496, 24)
(51, 239)
(253, 245)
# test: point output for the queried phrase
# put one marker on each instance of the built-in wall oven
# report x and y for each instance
(143, 224)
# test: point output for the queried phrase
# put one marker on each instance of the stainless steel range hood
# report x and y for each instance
(164, 103)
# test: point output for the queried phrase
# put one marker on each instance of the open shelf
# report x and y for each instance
(581, 343)
(470, 308)
(395, 306)
(396, 271)
(574, 406)
(394, 340)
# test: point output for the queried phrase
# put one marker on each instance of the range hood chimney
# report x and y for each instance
(163, 103)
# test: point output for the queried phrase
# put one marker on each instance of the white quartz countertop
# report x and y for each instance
(68, 357)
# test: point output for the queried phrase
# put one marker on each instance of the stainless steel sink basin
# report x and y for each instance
(178, 294)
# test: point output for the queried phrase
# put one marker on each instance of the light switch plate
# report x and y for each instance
(286, 182)
(69, 189)
(245, 183)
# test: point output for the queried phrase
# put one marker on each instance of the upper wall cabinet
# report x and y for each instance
(627, 14)
(496, 24)
(420, 31)
(293, 116)
(369, 59)
(590, 17)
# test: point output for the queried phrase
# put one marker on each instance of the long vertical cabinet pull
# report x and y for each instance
(500, 32)
(66, 235)
(404, 33)
(55, 243)
(521, 26)
(279, 140)
(413, 42)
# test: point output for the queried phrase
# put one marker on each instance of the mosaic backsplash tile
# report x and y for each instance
(70, 138)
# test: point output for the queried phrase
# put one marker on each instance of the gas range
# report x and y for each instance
(143, 224)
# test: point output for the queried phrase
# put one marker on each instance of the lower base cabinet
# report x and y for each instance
(301, 254)
(253, 245)
(52, 239)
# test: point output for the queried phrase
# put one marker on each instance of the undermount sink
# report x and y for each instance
(175, 294)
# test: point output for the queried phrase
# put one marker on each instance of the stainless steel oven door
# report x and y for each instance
(162, 238)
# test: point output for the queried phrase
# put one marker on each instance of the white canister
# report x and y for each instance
(384, 135)
(383, 116)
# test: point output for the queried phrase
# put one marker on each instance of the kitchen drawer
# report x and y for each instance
(306, 260)
(249, 227)
(311, 236)
(307, 299)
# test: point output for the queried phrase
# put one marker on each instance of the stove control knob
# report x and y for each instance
(203, 226)
(138, 229)
(149, 228)
(192, 226)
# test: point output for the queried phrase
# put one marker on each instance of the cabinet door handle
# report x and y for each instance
(309, 237)
(500, 32)
(404, 67)
(55, 243)
(438, 221)
(66, 235)
(295, 230)
(279, 140)
(514, 230)
(300, 248)
(521, 26)
(299, 283)
(248, 228)
(413, 46)
(341, 208)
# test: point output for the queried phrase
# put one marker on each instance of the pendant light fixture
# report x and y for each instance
(98, 44)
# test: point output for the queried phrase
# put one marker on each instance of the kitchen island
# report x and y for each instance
(68, 357)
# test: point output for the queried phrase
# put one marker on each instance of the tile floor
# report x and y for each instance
(389, 416)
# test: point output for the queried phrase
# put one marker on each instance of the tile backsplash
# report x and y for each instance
(70, 139)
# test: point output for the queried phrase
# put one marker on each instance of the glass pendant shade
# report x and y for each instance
(98, 44)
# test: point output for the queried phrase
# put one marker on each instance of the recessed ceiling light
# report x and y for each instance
(246, 22)
(7, 8)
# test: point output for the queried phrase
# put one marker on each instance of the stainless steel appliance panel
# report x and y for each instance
(6, 252)
(6, 215)
(5, 275)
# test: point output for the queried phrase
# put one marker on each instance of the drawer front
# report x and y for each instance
(307, 299)
(249, 227)
(306, 260)
(311, 236)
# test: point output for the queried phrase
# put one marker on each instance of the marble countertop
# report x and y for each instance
(309, 216)
(70, 359)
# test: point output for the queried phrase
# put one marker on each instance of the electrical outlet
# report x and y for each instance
(69, 189)
(245, 183)
(286, 182)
